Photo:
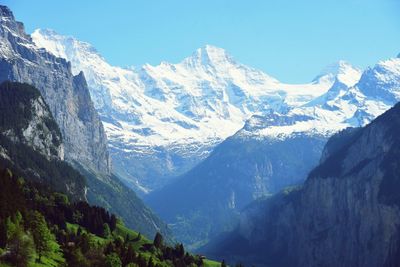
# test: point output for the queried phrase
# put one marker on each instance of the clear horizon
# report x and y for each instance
(289, 40)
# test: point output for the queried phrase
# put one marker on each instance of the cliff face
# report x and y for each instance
(346, 214)
(66, 95)
(31, 142)
(85, 144)
(25, 118)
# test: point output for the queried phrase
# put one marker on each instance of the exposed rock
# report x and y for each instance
(66, 95)
(31, 142)
(346, 214)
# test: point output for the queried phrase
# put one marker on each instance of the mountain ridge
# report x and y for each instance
(346, 213)
(162, 120)
(272, 151)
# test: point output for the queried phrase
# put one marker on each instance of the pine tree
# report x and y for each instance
(130, 255)
(106, 231)
(41, 234)
(21, 248)
(158, 240)
(113, 222)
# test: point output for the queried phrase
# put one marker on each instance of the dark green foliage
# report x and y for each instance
(158, 241)
(28, 163)
(3, 234)
(40, 232)
(11, 197)
(92, 218)
(113, 260)
(42, 220)
(21, 249)
(122, 201)
(16, 111)
(15, 114)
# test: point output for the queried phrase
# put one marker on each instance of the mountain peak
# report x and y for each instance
(343, 71)
(46, 32)
(6, 12)
(61, 45)
(209, 55)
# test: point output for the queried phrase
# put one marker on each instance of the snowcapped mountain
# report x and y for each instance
(350, 102)
(272, 151)
(162, 120)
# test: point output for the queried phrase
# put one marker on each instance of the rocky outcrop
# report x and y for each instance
(26, 118)
(31, 142)
(66, 95)
(346, 214)
(85, 144)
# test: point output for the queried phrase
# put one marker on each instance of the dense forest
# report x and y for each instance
(40, 227)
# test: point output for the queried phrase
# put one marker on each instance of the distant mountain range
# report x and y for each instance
(163, 120)
(216, 134)
(346, 213)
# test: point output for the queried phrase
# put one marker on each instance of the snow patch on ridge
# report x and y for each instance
(189, 107)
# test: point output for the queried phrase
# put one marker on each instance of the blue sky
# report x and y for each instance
(291, 40)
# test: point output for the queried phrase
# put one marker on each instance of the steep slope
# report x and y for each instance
(69, 101)
(346, 214)
(270, 152)
(41, 227)
(206, 201)
(31, 142)
(162, 120)
(67, 95)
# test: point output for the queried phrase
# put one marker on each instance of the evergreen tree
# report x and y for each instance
(113, 222)
(179, 251)
(84, 243)
(158, 240)
(41, 234)
(141, 261)
(223, 264)
(21, 249)
(106, 230)
(130, 255)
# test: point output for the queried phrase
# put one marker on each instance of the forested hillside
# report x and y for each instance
(40, 227)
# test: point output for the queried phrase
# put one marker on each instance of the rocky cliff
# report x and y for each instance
(346, 214)
(85, 143)
(31, 142)
(66, 95)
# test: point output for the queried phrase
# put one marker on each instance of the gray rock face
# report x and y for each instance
(66, 95)
(34, 125)
(37, 134)
(346, 214)
(31, 142)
